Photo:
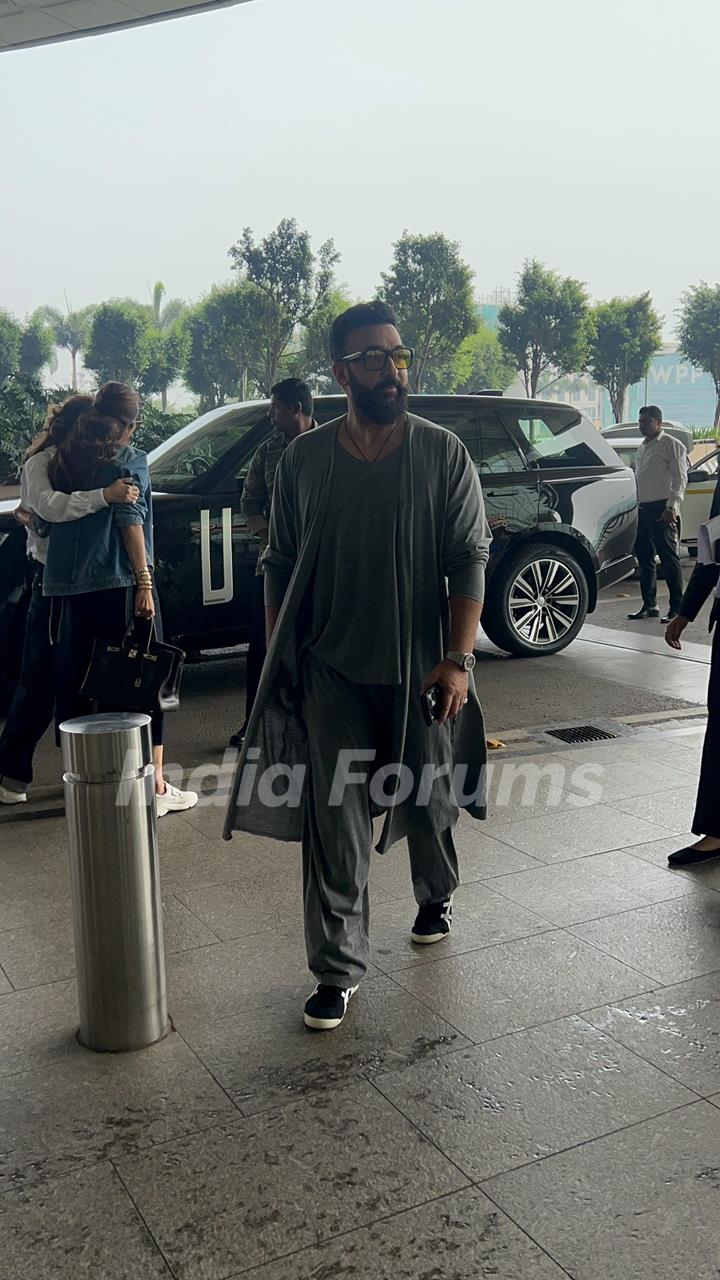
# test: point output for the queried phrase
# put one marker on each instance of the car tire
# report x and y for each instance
(512, 617)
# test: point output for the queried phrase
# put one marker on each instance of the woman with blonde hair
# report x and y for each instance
(101, 569)
(31, 710)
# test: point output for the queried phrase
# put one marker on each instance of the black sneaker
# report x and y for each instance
(327, 1006)
(432, 922)
(239, 737)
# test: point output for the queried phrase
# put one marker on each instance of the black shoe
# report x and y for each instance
(688, 856)
(669, 617)
(432, 922)
(644, 613)
(239, 737)
(327, 1006)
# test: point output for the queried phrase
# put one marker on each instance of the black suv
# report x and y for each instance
(561, 506)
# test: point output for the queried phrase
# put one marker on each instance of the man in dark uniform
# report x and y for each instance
(291, 413)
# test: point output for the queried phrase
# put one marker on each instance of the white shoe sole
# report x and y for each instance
(12, 797)
(327, 1024)
(173, 808)
(322, 1024)
(427, 939)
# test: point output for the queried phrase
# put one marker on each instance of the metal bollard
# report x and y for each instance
(117, 912)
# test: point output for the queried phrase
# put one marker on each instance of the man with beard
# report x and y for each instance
(371, 515)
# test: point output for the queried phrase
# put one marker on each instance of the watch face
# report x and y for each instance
(469, 661)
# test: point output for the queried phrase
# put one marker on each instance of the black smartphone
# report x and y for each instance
(430, 702)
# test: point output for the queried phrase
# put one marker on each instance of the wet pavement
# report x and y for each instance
(536, 1097)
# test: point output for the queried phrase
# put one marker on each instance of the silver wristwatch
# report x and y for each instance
(465, 661)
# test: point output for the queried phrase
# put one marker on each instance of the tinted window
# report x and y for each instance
(194, 450)
(498, 453)
(553, 444)
(457, 417)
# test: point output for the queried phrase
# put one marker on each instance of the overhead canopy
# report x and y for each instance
(29, 22)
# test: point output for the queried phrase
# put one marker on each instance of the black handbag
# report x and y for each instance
(139, 674)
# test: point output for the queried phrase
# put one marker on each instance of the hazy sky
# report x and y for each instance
(581, 131)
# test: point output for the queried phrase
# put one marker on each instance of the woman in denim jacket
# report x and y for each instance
(100, 568)
(31, 710)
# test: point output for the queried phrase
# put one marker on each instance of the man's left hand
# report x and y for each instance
(454, 685)
(667, 517)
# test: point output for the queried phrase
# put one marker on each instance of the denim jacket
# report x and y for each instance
(89, 554)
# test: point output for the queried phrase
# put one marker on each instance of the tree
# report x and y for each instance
(222, 345)
(290, 284)
(10, 338)
(699, 333)
(37, 348)
(164, 354)
(118, 343)
(480, 363)
(548, 327)
(71, 331)
(312, 361)
(430, 288)
(625, 335)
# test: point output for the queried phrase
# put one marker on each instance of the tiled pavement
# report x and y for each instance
(538, 1097)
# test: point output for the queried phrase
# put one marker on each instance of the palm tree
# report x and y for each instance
(165, 319)
(70, 331)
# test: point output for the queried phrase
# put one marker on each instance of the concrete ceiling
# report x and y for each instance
(29, 22)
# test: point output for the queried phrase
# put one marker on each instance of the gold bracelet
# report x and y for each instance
(143, 578)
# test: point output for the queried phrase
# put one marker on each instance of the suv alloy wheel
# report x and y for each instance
(537, 601)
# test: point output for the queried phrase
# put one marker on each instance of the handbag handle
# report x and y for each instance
(131, 633)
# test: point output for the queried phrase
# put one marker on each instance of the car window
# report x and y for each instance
(498, 452)
(193, 452)
(459, 418)
(562, 447)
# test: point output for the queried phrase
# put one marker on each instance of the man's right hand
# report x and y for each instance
(675, 630)
(121, 491)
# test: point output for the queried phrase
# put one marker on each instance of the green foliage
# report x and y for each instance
(311, 360)
(70, 330)
(430, 288)
(37, 348)
(704, 433)
(223, 345)
(158, 426)
(549, 326)
(10, 338)
(163, 359)
(625, 335)
(290, 283)
(480, 363)
(23, 407)
(699, 332)
(117, 347)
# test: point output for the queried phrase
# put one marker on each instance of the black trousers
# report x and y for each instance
(83, 619)
(31, 710)
(706, 821)
(654, 537)
(256, 645)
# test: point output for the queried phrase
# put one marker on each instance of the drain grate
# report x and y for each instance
(581, 733)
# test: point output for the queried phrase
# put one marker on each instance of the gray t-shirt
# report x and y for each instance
(355, 606)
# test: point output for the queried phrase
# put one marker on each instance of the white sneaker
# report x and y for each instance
(173, 800)
(11, 797)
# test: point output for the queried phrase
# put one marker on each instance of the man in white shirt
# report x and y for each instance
(661, 478)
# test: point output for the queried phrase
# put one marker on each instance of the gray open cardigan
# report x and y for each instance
(441, 532)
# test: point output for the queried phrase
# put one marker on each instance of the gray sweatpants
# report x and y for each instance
(337, 839)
